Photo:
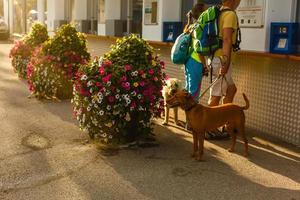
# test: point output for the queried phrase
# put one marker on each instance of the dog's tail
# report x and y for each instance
(247, 102)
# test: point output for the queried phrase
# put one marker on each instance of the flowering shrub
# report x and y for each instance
(52, 68)
(22, 50)
(116, 96)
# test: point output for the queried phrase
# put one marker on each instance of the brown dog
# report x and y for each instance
(202, 119)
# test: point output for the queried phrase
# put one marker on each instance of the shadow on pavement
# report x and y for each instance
(168, 172)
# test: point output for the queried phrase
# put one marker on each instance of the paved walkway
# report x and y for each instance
(43, 155)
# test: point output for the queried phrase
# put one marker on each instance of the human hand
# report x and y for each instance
(223, 71)
(189, 16)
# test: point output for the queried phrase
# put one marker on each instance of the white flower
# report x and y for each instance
(108, 107)
(88, 109)
(133, 93)
(117, 96)
(84, 78)
(93, 101)
(139, 96)
(91, 90)
(117, 90)
(100, 95)
(108, 83)
(95, 105)
(141, 108)
(90, 83)
(128, 101)
(101, 112)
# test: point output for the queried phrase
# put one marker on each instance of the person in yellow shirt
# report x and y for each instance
(224, 89)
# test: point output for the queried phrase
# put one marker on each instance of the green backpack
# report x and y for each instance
(206, 32)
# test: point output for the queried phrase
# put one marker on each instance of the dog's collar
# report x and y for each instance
(188, 108)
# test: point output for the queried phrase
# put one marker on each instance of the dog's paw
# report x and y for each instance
(199, 158)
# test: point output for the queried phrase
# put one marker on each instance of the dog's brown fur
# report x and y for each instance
(202, 119)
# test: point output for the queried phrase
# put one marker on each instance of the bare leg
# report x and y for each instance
(230, 93)
(214, 101)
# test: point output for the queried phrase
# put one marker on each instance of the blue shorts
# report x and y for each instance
(193, 77)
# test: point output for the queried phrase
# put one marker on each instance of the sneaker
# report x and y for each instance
(216, 135)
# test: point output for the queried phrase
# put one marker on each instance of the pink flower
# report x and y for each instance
(151, 71)
(98, 84)
(124, 78)
(127, 67)
(106, 78)
(142, 83)
(126, 85)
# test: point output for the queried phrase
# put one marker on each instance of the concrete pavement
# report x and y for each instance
(43, 155)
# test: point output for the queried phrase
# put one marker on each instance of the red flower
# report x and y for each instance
(102, 71)
(151, 71)
(98, 84)
(127, 67)
(162, 63)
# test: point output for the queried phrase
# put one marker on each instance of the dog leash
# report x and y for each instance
(203, 93)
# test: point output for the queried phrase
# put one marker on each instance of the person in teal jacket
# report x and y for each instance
(195, 66)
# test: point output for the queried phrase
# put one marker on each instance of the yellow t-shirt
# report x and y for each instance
(228, 19)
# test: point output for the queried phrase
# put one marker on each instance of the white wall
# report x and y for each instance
(41, 10)
(56, 11)
(101, 29)
(258, 39)
(168, 11)
(80, 10)
(112, 9)
(6, 11)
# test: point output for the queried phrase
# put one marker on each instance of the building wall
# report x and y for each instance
(80, 7)
(168, 11)
(257, 39)
(56, 13)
